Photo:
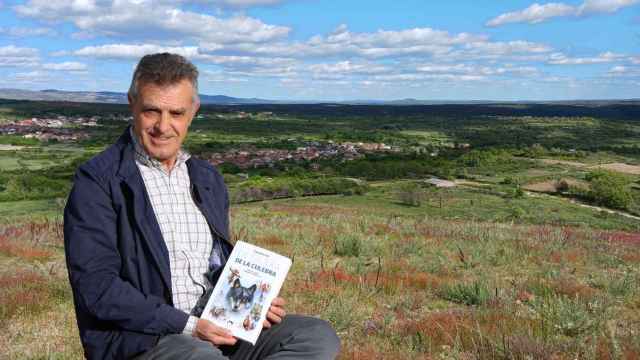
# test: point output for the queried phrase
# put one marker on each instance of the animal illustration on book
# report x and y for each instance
(243, 303)
(240, 296)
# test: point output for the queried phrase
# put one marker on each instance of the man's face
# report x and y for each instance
(162, 115)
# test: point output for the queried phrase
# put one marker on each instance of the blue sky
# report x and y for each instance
(333, 50)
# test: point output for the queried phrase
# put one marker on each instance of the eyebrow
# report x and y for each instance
(146, 107)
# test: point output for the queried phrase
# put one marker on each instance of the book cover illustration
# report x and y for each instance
(250, 280)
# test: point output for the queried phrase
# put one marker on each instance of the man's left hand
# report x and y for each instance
(276, 313)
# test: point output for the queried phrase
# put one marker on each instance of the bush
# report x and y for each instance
(610, 189)
(261, 188)
(348, 245)
(411, 194)
(476, 293)
(562, 186)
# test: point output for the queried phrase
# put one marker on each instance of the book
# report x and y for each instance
(250, 280)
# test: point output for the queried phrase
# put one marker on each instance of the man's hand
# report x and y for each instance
(276, 312)
(208, 331)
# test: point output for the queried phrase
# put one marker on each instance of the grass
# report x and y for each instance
(393, 286)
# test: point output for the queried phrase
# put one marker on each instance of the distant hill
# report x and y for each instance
(110, 97)
(121, 98)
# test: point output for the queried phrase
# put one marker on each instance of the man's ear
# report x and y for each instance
(196, 106)
(130, 100)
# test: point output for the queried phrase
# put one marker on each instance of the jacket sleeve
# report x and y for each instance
(94, 262)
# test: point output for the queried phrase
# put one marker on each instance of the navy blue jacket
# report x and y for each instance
(117, 260)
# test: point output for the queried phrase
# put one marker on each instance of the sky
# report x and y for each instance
(333, 50)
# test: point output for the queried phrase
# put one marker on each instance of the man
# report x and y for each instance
(146, 230)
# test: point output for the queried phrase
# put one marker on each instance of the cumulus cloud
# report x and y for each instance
(603, 6)
(19, 32)
(129, 51)
(348, 67)
(381, 44)
(65, 66)
(15, 56)
(623, 71)
(534, 14)
(161, 20)
(562, 59)
(244, 3)
(538, 13)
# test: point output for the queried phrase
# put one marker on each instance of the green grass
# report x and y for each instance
(478, 204)
(19, 210)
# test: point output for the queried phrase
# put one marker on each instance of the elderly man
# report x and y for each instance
(146, 233)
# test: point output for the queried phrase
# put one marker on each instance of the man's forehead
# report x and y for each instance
(172, 95)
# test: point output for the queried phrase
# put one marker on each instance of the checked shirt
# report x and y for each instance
(185, 230)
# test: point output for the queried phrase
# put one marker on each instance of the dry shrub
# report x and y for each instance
(573, 289)
(523, 347)
(369, 352)
(270, 240)
(23, 290)
(604, 349)
(310, 210)
(380, 229)
(571, 256)
(8, 281)
(631, 256)
(24, 251)
(441, 328)
(621, 238)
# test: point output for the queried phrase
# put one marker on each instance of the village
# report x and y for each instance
(312, 150)
(54, 128)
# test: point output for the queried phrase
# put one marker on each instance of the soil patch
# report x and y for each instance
(619, 167)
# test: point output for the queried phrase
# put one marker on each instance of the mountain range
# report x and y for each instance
(121, 98)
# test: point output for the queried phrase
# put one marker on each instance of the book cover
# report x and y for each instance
(250, 280)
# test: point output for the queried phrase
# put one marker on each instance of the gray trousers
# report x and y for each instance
(296, 337)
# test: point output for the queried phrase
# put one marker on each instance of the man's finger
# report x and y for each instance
(278, 302)
(274, 318)
(266, 324)
(223, 340)
(278, 311)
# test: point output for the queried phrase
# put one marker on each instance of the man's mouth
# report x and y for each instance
(160, 139)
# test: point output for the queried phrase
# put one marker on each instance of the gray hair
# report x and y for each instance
(163, 69)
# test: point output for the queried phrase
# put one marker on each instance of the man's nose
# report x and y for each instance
(163, 124)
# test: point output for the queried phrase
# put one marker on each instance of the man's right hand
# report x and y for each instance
(208, 331)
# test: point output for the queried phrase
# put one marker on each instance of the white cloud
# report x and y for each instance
(65, 66)
(219, 76)
(384, 44)
(606, 57)
(126, 51)
(17, 31)
(35, 76)
(624, 72)
(348, 67)
(618, 69)
(143, 20)
(473, 69)
(603, 6)
(534, 14)
(15, 56)
(538, 13)
(246, 3)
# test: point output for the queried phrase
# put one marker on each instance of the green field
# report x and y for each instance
(533, 254)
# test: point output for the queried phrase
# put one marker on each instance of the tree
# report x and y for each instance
(410, 194)
(610, 189)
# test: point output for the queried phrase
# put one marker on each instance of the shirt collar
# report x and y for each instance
(142, 157)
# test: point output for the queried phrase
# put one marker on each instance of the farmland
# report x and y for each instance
(532, 250)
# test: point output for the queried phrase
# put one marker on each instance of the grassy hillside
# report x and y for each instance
(394, 287)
